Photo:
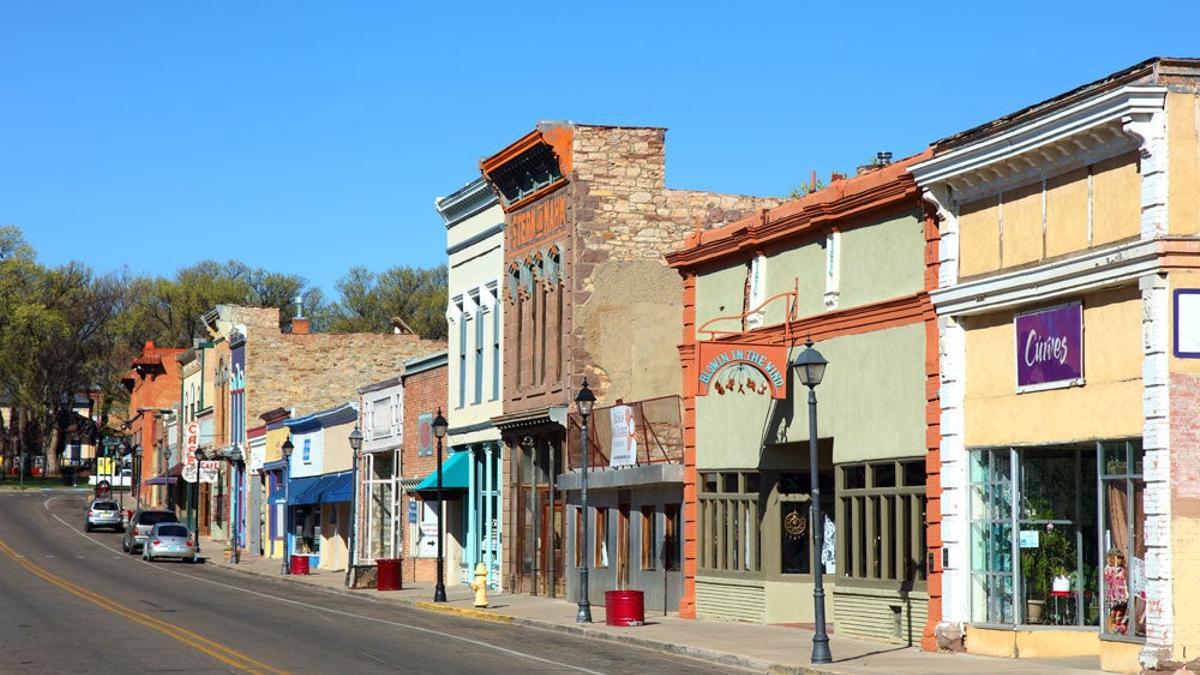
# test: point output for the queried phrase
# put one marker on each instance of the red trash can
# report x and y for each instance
(624, 608)
(387, 575)
(299, 565)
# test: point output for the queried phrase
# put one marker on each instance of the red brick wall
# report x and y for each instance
(424, 392)
(152, 388)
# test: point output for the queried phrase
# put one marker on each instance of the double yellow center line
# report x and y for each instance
(227, 655)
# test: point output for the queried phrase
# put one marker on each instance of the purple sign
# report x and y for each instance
(1050, 347)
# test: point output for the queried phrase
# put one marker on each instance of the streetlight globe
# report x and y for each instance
(288, 446)
(585, 399)
(810, 365)
(356, 439)
(440, 425)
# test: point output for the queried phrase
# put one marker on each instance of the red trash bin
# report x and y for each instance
(299, 565)
(387, 575)
(624, 608)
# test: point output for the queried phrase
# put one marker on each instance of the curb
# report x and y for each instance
(468, 612)
(699, 653)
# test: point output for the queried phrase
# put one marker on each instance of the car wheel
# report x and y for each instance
(124, 545)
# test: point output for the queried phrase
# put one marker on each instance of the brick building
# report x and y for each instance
(275, 370)
(587, 293)
(424, 383)
(153, 385)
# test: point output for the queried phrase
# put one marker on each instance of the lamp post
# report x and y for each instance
(356, 441)
(137, 475)
(287, 510)
(194, 500)
(440, 425)
(585, 399)
(236, 461)
(810, 368)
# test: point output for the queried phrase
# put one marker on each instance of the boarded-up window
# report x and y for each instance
(1116, 199)
(979, 236)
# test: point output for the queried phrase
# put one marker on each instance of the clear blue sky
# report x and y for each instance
(308, 137)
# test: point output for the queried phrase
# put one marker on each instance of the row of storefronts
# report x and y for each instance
(1004, 428)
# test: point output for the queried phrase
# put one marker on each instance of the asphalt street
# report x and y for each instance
(73, 602)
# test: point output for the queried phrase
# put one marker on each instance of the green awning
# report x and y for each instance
(455, 473)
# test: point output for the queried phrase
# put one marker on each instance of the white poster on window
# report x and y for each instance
(624, 439)
(208, 470)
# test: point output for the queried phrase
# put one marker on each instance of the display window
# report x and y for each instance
(1056, 536)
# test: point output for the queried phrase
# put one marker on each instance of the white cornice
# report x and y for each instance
(1094, 269)
(1091, 130)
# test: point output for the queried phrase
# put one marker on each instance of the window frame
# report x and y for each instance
(893, 518)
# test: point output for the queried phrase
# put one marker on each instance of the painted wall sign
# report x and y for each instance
(624, 441)
(732, 368)
(425, 434)
(1187, 323)
(209, 470)
(535, 223)
(1049, 347)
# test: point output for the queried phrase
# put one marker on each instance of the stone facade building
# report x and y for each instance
(586, 293)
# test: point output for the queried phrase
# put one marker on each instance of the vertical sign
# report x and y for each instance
(425, 434)
(191, 442)
(624, 441)
(1049, 347)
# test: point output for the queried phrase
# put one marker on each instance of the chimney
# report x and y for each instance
(300, 325)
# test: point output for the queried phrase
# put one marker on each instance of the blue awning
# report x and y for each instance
(325, 489)
(455, 473)
(337, 488)
(304, 490)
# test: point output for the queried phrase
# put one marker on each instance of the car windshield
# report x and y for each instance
(172, 531)
(104, 506)
(155, 517)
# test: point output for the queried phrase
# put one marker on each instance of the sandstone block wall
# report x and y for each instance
(627, 304)
(424, 392)
(320, 370)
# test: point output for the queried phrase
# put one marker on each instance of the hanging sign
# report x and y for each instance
(624, 440)
(191, 442)
(1049, 347)
(208, 470)
(743, 369)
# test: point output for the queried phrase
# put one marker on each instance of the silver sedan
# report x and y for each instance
(169, 540)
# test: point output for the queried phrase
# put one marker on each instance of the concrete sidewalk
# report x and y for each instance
(775, 649)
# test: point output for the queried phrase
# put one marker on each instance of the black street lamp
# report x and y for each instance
(440, 426)
(356, 441)
(585, 399)
(287, 509)
(810, 368)
(137, 475)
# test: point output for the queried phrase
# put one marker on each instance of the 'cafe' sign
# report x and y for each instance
(742, 369)
(1049, 347)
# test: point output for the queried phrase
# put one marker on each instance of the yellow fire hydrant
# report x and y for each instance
(480, 586)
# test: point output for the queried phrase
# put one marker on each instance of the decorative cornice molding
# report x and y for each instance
(1096, 269)
(817, 218)
(1083, 133)
(473, 198)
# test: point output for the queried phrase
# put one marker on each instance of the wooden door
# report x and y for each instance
(551, 535)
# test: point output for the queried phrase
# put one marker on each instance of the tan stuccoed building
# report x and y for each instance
(1069, 351)
(586, 293)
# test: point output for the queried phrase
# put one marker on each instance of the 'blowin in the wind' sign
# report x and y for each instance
(742, 369)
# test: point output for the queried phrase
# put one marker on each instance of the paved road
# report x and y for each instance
(72, 602)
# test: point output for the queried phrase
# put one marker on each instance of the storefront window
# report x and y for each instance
(1052, 535)
(991, 537)
(1123, 540)
(729, 522)
(881, 506)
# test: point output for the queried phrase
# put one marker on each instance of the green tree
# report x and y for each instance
(368, 301)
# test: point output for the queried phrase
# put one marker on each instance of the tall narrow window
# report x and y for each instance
(535, 323)
(672, 542)
(648, 537)
(496, 352)
(519, 333)
(601, 558)
(558, 318)
(478, 355)
(543, 291)
(462, 359)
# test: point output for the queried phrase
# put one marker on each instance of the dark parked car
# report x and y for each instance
(139, 528)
